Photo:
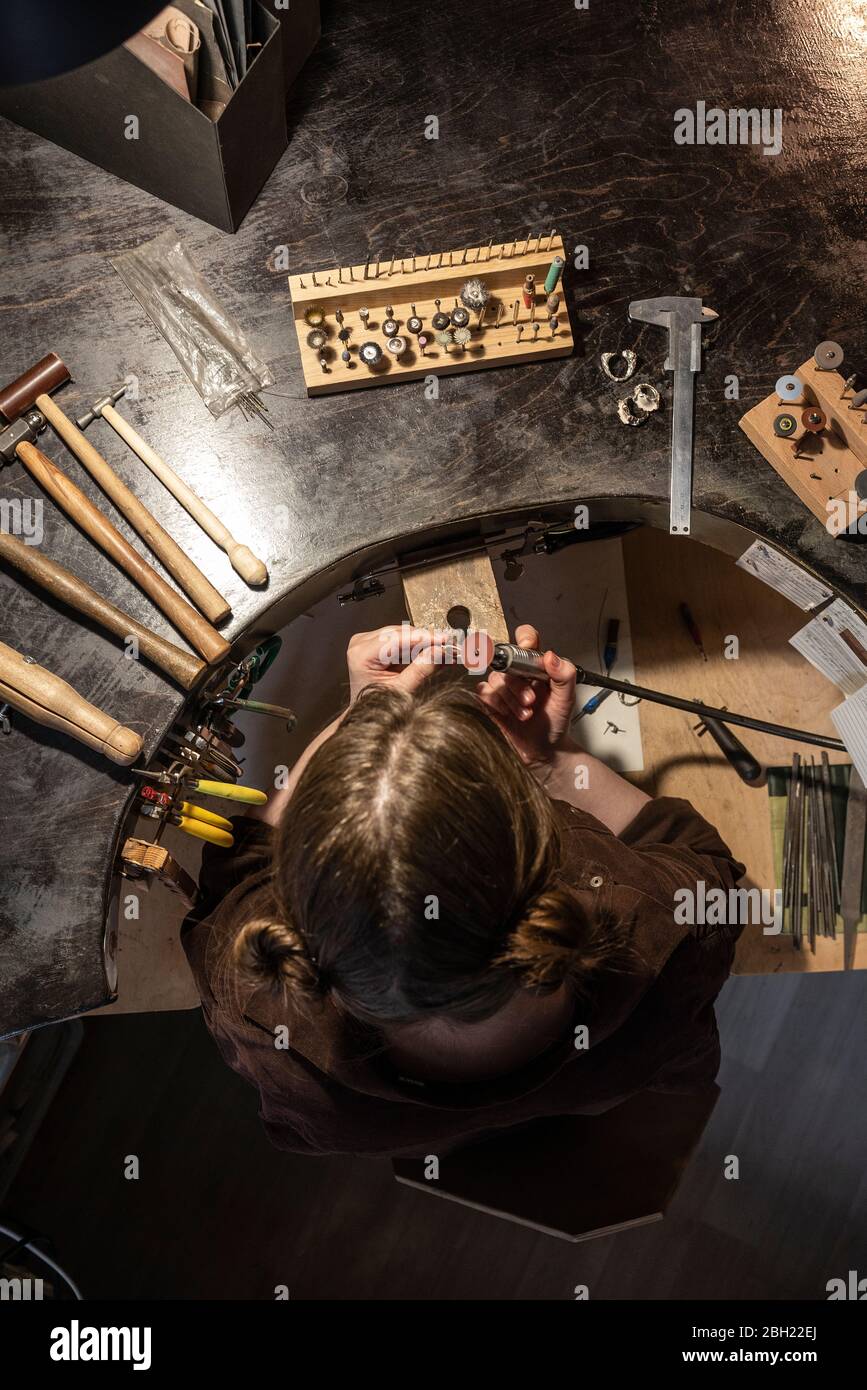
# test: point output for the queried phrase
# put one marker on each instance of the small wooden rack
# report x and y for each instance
(420, 281)
(829, 462)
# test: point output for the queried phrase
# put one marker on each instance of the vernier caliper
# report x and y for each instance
(683, 318)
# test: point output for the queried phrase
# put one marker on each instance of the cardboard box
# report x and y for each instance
(212, 169)
(300, 23)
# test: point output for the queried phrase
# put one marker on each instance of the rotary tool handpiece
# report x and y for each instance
(519, 661)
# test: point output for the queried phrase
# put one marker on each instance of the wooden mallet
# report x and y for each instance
(32, 389)
(17, 442)
(62, 584)
(251, 569)
(51, 701)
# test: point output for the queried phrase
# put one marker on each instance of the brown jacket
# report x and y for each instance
(331, 1090)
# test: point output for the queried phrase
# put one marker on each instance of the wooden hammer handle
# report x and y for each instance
(244, 562)
(49, 700)
(179, 565)
(206, 640)
(66, 586)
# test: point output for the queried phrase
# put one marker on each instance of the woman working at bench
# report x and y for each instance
(454, 920)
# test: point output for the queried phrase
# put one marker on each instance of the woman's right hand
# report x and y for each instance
(534, 715)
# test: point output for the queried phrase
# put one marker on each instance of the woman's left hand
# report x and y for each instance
(402, 656)
(535, 717)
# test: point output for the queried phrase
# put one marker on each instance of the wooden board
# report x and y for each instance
(769, 679)
(829, 462)
(431, 591)
(420, 281)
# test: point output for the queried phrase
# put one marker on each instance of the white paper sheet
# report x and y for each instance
(824, 647)
(850, 720)
(782, 574)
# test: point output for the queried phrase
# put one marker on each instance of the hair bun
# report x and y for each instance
(556, 941)
(271, 953)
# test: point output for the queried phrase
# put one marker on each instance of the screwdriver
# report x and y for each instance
(609, 651)
(609, 656)
(692, 628)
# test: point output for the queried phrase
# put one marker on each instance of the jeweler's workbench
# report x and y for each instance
(349, 481)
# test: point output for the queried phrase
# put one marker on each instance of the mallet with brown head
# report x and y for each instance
(32, 389)
(18, 441)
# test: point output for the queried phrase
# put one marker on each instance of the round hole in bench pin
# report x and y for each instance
(459, 617)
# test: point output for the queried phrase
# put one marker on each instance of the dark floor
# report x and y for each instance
(218, 1213)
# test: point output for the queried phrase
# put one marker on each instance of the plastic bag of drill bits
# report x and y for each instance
(207, 341)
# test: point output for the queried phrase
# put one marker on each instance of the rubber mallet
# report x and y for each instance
(32, 389)
(244, 562)
(51, 701)
(17, 442)
(62, 584)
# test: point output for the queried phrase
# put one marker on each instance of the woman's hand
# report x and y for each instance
(534, 715)
(403, 656)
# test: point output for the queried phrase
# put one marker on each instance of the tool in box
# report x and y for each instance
(810, 877)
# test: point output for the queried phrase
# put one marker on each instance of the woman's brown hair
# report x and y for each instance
(417, 870)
